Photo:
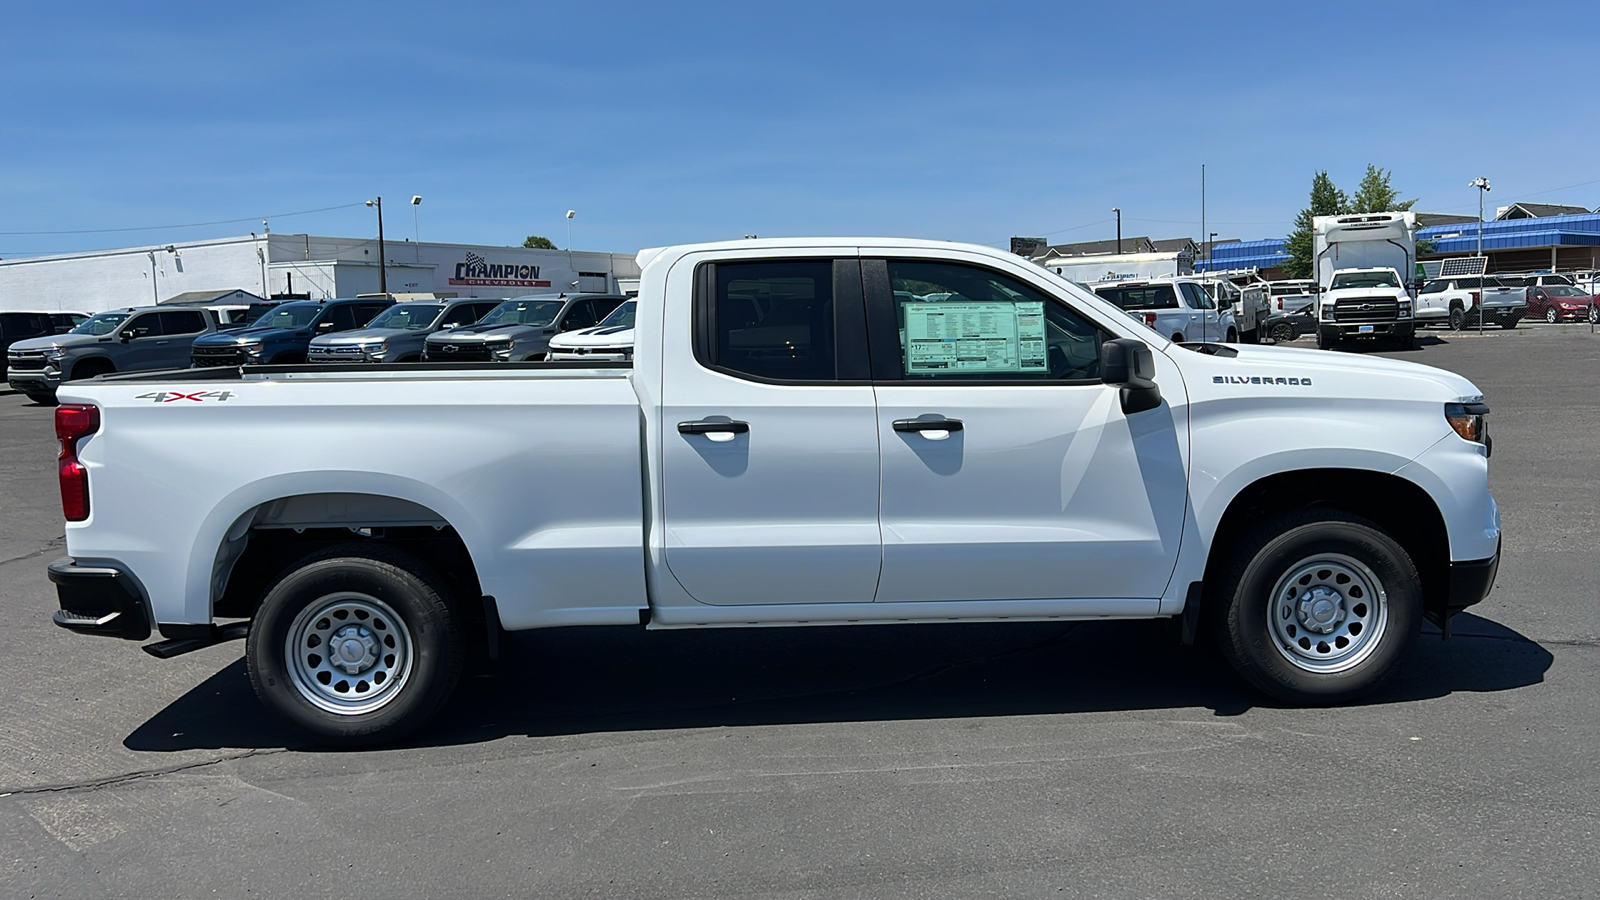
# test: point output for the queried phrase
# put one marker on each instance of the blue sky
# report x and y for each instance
(662, 123)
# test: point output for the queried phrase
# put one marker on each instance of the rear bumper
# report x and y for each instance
(101, 600)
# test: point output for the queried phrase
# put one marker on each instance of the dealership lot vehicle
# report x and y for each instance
(922, 392)
(1558, 302)
(1458, 301)
(520, 329)
(611, 340)
(19, 325)
(1182, 308)
(1361, 262)
(398, 333)
(283, 333)
(128, 340)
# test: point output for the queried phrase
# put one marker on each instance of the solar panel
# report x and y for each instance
(1463, 265)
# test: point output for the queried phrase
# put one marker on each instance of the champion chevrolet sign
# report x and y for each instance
(478, 271)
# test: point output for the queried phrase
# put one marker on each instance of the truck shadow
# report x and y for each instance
(585, 680)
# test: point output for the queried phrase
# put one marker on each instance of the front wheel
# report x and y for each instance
(1551, 315)
(1318, 606)
(1282, 333)
(1509, 322)
(356, 645)
(1232, 338)
(1594, 315)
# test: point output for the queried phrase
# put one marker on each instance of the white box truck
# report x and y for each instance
(1363, 264)
(1105, 267)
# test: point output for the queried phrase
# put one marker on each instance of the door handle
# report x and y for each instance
(932, 429)
(721, 432)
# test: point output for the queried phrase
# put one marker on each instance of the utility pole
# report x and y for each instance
(383, 263)
(1482, 184)
(1119, 227)
(1202, 199)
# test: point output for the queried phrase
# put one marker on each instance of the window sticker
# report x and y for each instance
(975, 337)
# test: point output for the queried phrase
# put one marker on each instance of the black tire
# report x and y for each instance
(1509, 322)
(1319, 558)
(1177, 338)
(43, 399)
(1282, 333)
(1409, 342)
(413, 661)
(1232, 338)
(1323, 341)
(1458, 318)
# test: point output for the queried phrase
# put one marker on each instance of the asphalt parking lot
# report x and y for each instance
(958, 760)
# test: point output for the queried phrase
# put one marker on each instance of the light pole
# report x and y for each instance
(571, 213)
(1482, 184)
(1119, 227)
(155, 296)
(383, 267)
(416, 231)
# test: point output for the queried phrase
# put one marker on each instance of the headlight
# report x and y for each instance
(252, 350)
(501, 349)
(375, 351)
(1469, 420)
(54, 354)
(1405, 309)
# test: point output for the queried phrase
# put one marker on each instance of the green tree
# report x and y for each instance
(1326, 200)
(1376, 194)
(539, 242)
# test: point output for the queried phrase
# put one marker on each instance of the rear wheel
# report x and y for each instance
(356, 645)
(1458, 318)
(1510, 322)
(1318, 606)
(1178, 338)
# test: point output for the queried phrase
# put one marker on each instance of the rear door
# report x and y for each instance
(1010, 471)
(179, 328)
(769, 447)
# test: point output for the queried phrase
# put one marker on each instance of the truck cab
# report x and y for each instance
(1181, 308)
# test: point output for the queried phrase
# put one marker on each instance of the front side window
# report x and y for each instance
(147, 325)
(773, 319)
(339, 318)
(581, 315)
(1198, 297)
(961, 322)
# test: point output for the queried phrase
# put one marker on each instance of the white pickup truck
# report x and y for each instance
(1183, 308)
(812, 432)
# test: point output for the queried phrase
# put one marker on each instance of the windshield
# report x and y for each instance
(291, 315)
(104, 323)
(1561, 290)
(410, 316)
(524, 312)
(1557, 279)
(622, 316)
(1384, 279)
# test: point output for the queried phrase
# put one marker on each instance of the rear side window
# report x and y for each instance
(772, 319)
(185, 322)
(1147, 296)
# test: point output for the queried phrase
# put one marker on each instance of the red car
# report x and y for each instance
(1555, 302)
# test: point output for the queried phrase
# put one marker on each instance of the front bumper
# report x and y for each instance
(100, 600)
(1471, 581)
(33, 381)
(1368, 330)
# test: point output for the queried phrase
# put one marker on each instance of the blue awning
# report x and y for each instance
(1577, 230)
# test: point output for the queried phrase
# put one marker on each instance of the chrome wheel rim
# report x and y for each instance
(1328, 613)
(348, 653)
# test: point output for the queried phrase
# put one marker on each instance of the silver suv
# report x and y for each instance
(123, 340)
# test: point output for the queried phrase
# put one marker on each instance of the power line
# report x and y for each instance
(304, 212)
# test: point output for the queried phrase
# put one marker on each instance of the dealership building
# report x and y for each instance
(301, 265)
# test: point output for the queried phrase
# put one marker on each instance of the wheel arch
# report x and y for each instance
(1400, 507)
(93, 360)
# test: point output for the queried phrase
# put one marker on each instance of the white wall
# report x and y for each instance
(106, 279)
(322, 267)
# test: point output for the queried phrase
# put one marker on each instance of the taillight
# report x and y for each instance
(1280, 303)
(1150, 319)
(74, 421)
(1475, 295)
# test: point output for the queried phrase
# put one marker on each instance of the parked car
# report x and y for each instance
(1557, 302)
(126, 340)
(398, 333)
(1282, 328)
(21, 324)
(1294, 296)
(1179, 308)
(1458, 300)
(611, 340)
(815, 432)
(283, 334)
(520, 329)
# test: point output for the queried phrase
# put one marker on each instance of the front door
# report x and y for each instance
(769, 437)
(1010, 471)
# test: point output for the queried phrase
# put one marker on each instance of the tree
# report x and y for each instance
(1376, 194)
(1326, 200)
(539, 242)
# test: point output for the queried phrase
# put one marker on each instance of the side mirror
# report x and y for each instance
(1127, 363)
(325, 326)
(126, 335)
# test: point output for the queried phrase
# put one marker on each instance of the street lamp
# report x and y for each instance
(383, 268)
(1482, 184)
(570, 214)
(155, 296)
(1119, 227)
(416, 232)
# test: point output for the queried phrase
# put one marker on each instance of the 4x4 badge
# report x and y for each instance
(197, 396)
